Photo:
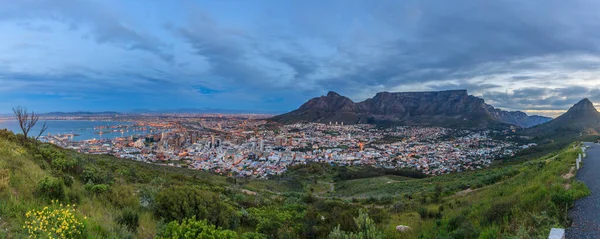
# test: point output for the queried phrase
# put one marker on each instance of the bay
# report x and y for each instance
(82, 129)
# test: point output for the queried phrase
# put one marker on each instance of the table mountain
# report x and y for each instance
(453, 108)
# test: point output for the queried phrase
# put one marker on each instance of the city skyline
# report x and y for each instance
(272, 56)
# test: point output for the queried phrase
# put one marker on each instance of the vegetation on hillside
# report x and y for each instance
(106, 197)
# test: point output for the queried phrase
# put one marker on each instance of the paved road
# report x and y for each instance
(586, 212)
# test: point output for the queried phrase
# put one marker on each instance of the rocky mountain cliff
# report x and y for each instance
(518, 118)
(580, 120)
(440, 108)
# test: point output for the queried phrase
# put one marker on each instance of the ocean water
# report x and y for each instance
(83, 128)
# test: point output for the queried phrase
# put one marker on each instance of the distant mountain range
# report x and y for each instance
(200, 111)
(148, 111)
(81, 113)
(580, 120)
(453, 108)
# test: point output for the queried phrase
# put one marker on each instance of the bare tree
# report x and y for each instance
(27, 121)
(42, 130)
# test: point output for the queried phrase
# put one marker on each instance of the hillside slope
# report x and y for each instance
(118, 198)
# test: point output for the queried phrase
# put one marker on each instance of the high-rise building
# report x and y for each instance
(279, 141)
(262, 145)
(139, 143)
(193, 138)
(180, 141)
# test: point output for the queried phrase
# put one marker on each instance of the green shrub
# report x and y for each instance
(147, 196)
(64, 163)
(95, 175)
(398, 207)
(455, 222)
(489, 233)
(366, 229)
(253, 235)
(274, 221)
(177, 203)
(122, 196)
(51, 188)
(57, 159)
(68, 180)
(466, 231)
(129, 219)
(426, 213)
(498, 212)
(97, 188)
(379, 215)
(194, 229)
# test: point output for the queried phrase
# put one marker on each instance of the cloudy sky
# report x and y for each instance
(539, 56)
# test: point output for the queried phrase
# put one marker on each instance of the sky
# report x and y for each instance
(538, 56)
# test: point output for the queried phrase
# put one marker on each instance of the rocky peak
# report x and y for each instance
(583, 105)
(333, 94)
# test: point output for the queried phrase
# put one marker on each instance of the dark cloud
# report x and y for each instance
(537, 98)
(478, 45)
(454, 38)
(104, 25)
(536, 54)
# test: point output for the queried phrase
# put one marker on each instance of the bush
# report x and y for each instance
(253, 235)
(455, 222)
(426, 213)
(129, 219)
(460, 227)
(398, 207)
(147, 196)
(466, 231)
(64, 163)
(95, 175)
(97, 188)
(68, 180)
(489, 233)
(122, 196)
(275, 222)
(73, 195)
(57, 159)
(51, 188)
(366, 229)
(498, 212)
(378, 215)
(191, 228)
(178, 203)
(56, 221)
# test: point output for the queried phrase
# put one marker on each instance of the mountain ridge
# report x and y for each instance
(453, 108)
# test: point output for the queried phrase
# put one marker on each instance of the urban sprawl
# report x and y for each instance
(249, 146)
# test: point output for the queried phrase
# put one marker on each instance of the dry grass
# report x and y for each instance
(4, 179)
